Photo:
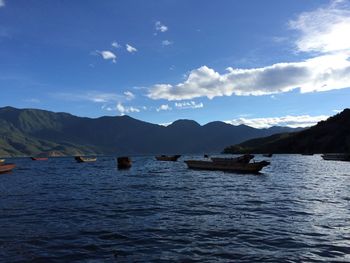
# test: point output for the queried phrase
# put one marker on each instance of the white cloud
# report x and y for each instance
(2, 3)
(188, 105)
(124, 109)
(115, 44)
(324, 30)
(165, 124)
(322, 73)
(289, 121)
(161, 27)
(92, 96)
(129, 95)
(130, 48)
(167, 42)
(108, 55)
(164, 107)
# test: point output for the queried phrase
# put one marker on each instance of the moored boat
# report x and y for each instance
(39, 158)
(336, 157)
(172, 158)
(229, 167)
(124, 162)
(5, 168)
(81, 159)
(267, 155)
(241, 159)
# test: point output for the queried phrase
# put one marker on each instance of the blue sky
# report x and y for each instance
(261, 63)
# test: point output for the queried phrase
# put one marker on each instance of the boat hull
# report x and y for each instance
(5, 168)
(124, 162)
(241, 159)
(39, 158)
(229, 167)
(173, 158)
(336, 157)
(81, 159)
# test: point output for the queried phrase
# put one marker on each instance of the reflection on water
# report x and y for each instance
(56, 211)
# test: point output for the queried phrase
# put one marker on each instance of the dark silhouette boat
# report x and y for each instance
(172, 158)
(5, 168)
(81, 159)
(237, 167)
(124, 162)
(39, 158)
(336, 157)
(241, 159)
(307, 154)
(267, 155)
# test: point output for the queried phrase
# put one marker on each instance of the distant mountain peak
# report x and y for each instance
(184, 122)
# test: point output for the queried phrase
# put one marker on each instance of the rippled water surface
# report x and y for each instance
(297, 210)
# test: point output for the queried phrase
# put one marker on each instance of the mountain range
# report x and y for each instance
(329, 136)
(26, 132)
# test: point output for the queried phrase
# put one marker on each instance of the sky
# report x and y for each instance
(260, 63)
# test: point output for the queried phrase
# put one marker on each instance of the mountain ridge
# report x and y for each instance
(33, 131)
(329, 136)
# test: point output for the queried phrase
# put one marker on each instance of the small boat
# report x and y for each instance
(39, 158)
(241, 159)
(124, 162)
(267, 155)
(2, 161)
(336, 157)
(229, 167)
(172, 158)
(307, 154)
(81, 159)
(5, 168)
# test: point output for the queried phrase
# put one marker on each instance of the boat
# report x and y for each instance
(39, 158)
(267, 155)
(206, 156)
(307, 154)
(2, 161)
(241, 159)
(228, 167)
(5, 168)
(336, 157)
(81, 159)
(172, 158)
(124, 162)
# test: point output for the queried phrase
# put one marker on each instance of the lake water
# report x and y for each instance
(61, 211)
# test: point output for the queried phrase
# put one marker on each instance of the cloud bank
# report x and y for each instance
(289, 121)
(324, 32)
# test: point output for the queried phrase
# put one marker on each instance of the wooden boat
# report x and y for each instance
(267, 155)
(172, 158)
(39, 158)
(241, 159)
(336, 157)
(81, 159)
(5, 168)
(124, 162)
(229, 166)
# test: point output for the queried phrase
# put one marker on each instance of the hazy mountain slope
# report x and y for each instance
(332, 135)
